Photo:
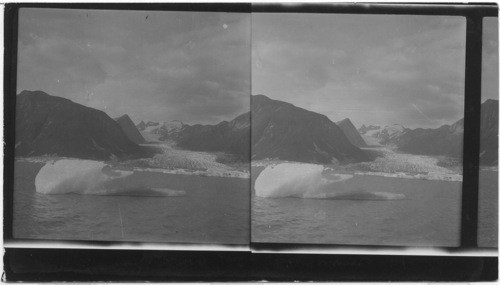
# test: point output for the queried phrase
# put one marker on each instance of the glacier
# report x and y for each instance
(302, 180)
(91, 177)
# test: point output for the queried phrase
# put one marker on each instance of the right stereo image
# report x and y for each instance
(358, 130)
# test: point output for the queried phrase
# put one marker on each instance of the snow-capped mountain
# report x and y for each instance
(376, 135)
(160, 131)
(364, 129)
(142, 125)
(167, 130)
(390, 134)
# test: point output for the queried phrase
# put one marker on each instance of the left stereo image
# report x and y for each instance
(132, 126)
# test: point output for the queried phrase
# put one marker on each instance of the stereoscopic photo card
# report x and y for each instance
(251, 142)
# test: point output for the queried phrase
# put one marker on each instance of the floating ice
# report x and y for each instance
(302, 180)
(141, 191)
(362, 195)
(91, 177)
(296, 180)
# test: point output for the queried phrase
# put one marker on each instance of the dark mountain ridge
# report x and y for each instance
(489, 133)
(448, 139)
(351, 133)
(51, 125)
(281, 130)
(130, 129)
(232, 137)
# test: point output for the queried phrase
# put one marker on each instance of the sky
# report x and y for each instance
(489, 74)
(373, 69)
(151, 65)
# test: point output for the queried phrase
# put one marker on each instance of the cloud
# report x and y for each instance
(372, 69)
(190, 66)
(489, 88)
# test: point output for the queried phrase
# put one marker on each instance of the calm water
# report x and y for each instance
(488, 209)
(428, 216)
(214, 210)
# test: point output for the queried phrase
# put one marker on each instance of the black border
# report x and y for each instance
(10, 71)
(138, 265)
(37, 265)
(434, 9)
(472, 127)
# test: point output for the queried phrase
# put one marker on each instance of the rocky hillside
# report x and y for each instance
(351, 133)
(130, 129)
(50, 125)
(232, 137)
(446, 140)
(281, 130)
(489, 133)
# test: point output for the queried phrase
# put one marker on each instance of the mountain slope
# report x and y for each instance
(57, 126)
(448, 140)
(232, 137)
(445, 140)
(283, 131)
(489, 133)
(351, 133)
(130, 129)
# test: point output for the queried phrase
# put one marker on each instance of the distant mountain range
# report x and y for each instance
(446, 140)
(142, 126)
(160, 128)
(232, 137)
(281, 130)
(130, 129)
(351, 133)
(50, 125)
(390, 134)
(364, 129)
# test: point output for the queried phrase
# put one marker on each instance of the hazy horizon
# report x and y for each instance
(152, 65)
(489, 74)
(373, 69)
(366, 124)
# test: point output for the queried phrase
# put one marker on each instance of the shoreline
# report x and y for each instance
(175, 171)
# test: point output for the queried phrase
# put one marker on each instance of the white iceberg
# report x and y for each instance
(301, 180)
(91, 177)
(296, 180)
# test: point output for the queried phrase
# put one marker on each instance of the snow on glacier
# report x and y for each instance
(301, 180)
(90, 177)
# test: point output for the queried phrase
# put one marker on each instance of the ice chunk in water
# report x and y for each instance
(296, 180)
(303, 180)
(93, 178)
